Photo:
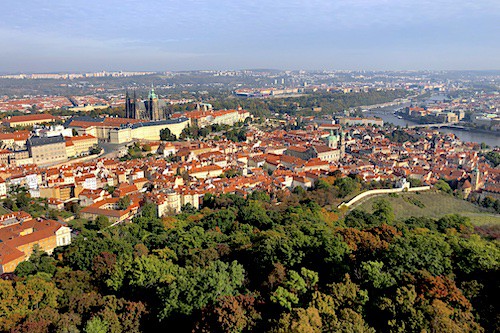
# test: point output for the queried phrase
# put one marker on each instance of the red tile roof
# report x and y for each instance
(32, 117)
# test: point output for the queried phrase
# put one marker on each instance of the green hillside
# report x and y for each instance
(432, 204)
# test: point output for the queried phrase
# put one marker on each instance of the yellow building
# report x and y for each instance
(147, 131)
(19, 238)
(110, 209)
(58, 192)
(78, 145)
(30, 120)
(209, 171)
(122, 130)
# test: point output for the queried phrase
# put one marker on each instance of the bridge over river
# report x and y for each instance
(438, 125)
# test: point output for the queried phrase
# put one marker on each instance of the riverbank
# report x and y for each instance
(474, 129)
(460, 125)
(388, 115)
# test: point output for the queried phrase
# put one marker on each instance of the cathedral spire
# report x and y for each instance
(152, 94)
(127, 104)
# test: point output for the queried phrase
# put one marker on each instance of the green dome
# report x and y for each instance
(152, 93)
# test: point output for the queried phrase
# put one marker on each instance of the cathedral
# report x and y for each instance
(152, 108)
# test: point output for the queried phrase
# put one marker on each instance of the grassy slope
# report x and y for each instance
(3, 210)
(435, 205)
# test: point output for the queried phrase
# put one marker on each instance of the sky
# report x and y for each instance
(170, 35)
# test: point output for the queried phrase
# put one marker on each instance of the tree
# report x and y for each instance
(383, 210)
(149, 271)
(95, 150)
(443, 186)
(188, 209)
(75, 209)
(195, 287)
(475, 255)
(9, 204)
(493, 157)
(322, 185)
(374, 274)
(255, 214)
(18, 300)
(25, 268)
(166, 135)
(232, 173)
(359, 218)
(229, 314)
(285, 298)
(484, 145)
(488, 202)
(415, 252)
(295, 286)
(496, 206)
(457, 222)
(103, 265)
(123, 202)
(414, 182)
(402, 311)
(22, 200)
(260, 196)
(39, 261)
(300, 321)
(223, 219)
(277, 276)
(101, 222)
(346, 186)
(96, 325)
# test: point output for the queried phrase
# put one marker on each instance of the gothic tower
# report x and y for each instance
(153, 106)
(134, 109)
(130, 107)
(127, 105)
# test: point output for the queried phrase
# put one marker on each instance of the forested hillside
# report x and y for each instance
(279, 262)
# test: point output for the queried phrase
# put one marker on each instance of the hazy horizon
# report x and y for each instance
(153, 35)
(245, 69)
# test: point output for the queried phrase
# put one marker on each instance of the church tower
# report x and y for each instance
(476, 179)
(332, 140)
(134, 108)
(342, 142)
(153, 106)
(129, 106)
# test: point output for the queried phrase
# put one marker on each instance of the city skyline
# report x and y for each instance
(189, 35)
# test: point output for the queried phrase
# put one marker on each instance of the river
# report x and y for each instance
(388, 116)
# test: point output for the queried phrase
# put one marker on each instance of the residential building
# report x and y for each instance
(3, 188)
(21, 234)
(110, 209)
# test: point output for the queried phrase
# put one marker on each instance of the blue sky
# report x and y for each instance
(81, 35)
